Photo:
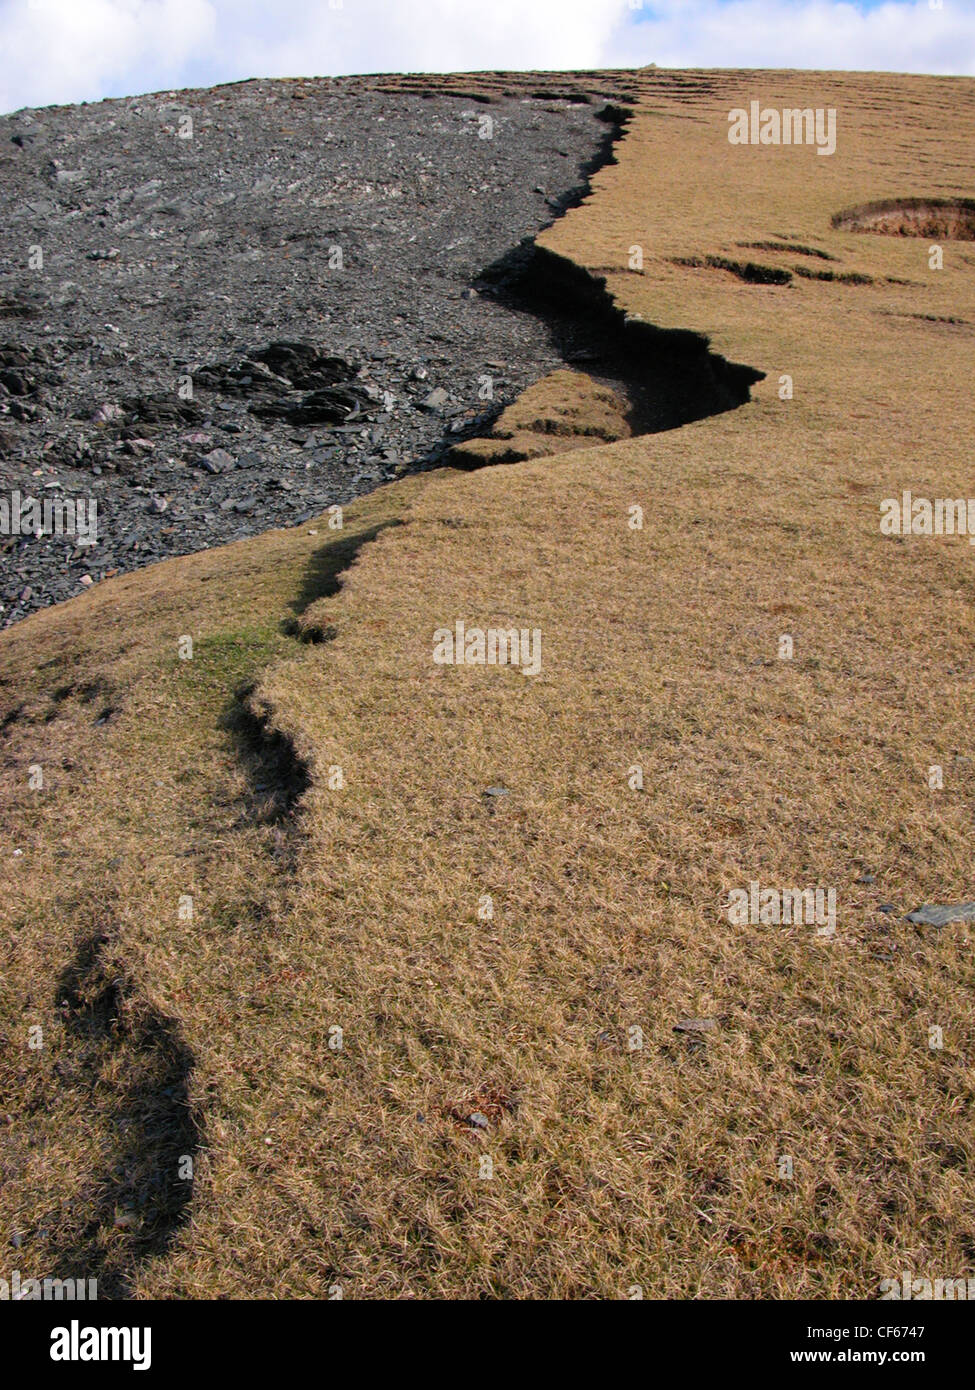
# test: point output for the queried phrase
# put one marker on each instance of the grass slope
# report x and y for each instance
(612, 1164)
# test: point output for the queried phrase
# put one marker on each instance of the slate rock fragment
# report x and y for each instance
(939, 915)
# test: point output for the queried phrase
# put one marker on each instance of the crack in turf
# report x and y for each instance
(934, 219)
(277, 775)
(668, 377)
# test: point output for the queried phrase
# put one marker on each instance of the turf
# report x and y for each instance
(510, 892)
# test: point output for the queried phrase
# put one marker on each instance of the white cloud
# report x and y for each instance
(295, 36)
(892, 37)
(75, 50)
(59, 51)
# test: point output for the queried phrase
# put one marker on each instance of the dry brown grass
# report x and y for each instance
(613, 1166)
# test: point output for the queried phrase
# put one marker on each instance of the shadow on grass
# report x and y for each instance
(277, 777)
(669, 376)
(276, 774)
(133, 1211)
(322, 579)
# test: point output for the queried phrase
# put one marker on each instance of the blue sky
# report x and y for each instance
(54, 51)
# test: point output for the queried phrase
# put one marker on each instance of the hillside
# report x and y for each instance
(510, 893)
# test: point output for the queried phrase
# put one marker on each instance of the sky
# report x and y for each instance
(60, 51)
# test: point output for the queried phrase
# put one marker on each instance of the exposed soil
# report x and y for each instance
(946, 219)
